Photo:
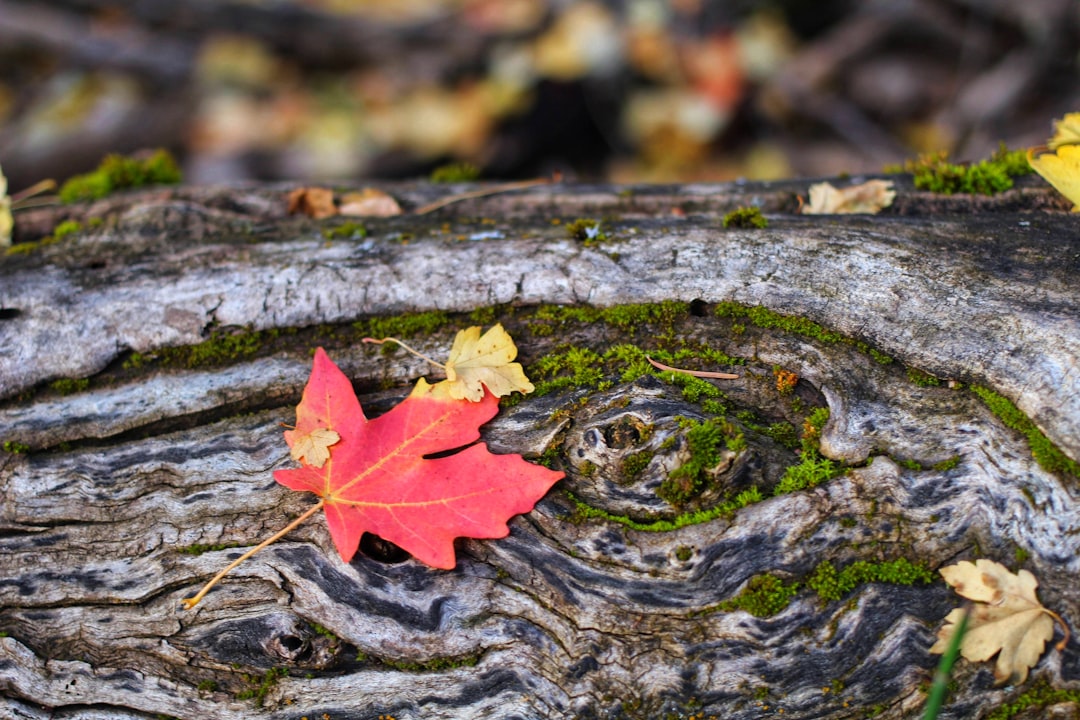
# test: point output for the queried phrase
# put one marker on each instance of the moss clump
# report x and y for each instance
(207, 686)
(832, 584)
(684, 553)
(946, 465)
(260, 687)
(69, 386)
(745, 217)
(455, 172)
(589, 232)
(922, 379)
(65, 228)
(769, 319)
(634, 464)
(117, 172)
(547, 319)
(764, 596)
(15, 448)
(704, 441)
(1044, 451)
(935, 173)
(1040, 695)
(813, 469)
(349, 229)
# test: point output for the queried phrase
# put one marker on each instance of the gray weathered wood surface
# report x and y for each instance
(567, 617)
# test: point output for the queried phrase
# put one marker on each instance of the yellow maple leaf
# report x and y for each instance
(869, 197)
(1007, 620)
(484, 360)
(314, 448)
(6, 221)
(1059, 160)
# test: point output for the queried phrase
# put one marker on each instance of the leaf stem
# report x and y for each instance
(1064, 629)
(417, 353)
(193, 601)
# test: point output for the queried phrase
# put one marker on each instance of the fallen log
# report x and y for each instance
(908, 395)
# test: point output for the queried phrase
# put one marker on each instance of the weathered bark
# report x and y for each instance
(569, 616)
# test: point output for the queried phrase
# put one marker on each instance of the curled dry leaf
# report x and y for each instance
(369, 202)
(1007, 620)
(1059, 160)
(317, 203)
(869, 197)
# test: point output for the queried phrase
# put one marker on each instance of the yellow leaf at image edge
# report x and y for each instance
(477, 360)
(1008, 620)
(6, 221)
(1061, 169)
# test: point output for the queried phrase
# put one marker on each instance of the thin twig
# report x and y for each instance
(695, 373)
(484, 192)
(193, 601)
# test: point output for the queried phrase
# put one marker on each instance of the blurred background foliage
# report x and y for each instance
(614, 90)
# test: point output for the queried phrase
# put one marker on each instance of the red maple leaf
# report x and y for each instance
(379, 479)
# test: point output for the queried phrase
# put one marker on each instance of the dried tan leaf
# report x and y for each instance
(869, 197)
(369, 202)
(314, 448)
(314, 202)
(1007, 620)
(695, 373)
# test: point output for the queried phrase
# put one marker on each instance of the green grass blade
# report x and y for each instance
(944, 669)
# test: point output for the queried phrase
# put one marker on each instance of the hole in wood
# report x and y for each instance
(699, 308)
(9, 313)
(381, 550)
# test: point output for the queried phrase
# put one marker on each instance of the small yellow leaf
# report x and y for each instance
(314, 448)
(317, 203)
(477, 360)
(1007, 620)
(6, 221)
(869, 197)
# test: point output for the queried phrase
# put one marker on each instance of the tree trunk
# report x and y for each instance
(149, 360)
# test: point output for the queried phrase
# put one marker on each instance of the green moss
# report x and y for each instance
(848, 522)
(434, 664)
(207, 686)
(548, 319)
(745, 217)
(922, 379)
(770, 319)
(455, 172)
(695, 517)
(1040, 695)
(220, 350)
(349, 229)
(832, 584)
(946, 465)
(635, 463)
(704, 442)
(935, 173)
(486, 315)
(69, 386)
(320, 630)
(1020, 555)
(684, 553)
(589, 232)
(15, 448)
(910, 465)
(117, 172)
(403, 326)
(65, 228)
(811, 472)
(764, 596)
(260, 687)
(1048, 456)
(199, 549)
